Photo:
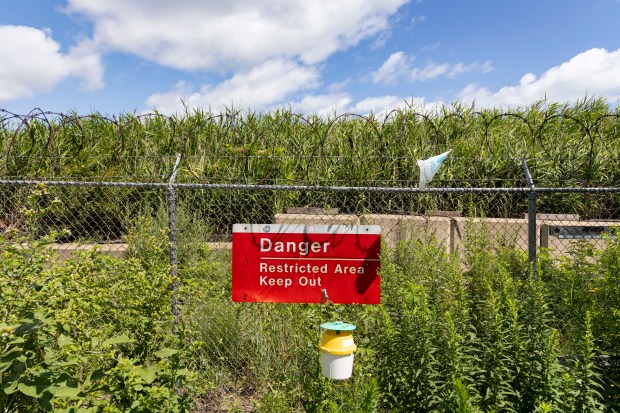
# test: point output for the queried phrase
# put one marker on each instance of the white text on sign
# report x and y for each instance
(303, 247)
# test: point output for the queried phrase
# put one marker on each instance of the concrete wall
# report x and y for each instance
(68, 250)
(395, 228)
(323, 219)
(507, 231)
(452, 231)
(558, 233)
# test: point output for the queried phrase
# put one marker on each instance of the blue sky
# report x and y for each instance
(314, 56)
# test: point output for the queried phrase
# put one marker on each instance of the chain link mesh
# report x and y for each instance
(241, 348)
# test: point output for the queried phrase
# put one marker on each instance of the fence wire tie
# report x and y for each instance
(324, 297)
(325, 300)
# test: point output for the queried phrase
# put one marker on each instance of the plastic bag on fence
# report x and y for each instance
(429, 167)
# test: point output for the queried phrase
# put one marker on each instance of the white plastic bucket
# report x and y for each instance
(337, 367)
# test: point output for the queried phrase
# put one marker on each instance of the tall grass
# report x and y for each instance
(566, 145)
(447, 337)
(450, 335)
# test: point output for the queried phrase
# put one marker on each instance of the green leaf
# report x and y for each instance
(45, 402)
(94, 377)
(50, 356)
(122, 339)
(182, 372)
(30, 390)
(166, 352)
(27, 328)
(67, 363)
(11, 388)
(74, 409)
(69, 392)
(148, 374)
(10, 357)
(64, 340)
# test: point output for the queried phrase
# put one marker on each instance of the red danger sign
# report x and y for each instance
(295, 263)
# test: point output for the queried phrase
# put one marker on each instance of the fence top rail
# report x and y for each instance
(320, 188)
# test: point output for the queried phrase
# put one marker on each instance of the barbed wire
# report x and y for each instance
(32, 142)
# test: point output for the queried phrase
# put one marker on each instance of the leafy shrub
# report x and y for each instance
(92, 333)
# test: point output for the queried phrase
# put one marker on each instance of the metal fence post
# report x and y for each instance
(531, 219)
(172, 239)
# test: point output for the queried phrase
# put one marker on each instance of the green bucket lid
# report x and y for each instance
(338, 326)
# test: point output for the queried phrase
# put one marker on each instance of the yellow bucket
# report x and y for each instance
(337, 350)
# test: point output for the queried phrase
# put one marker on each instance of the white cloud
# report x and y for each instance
(593, 73)
(231, 35)
(429, 72)
(339, 86)
(431, 47)
(341, 103)
(379, 104)
(266, 84)
(434, 70)
(31, 62)
(383, 105)
(417, 20)
(399, 66)
(323, 105)
(394, 68)
(475, 67)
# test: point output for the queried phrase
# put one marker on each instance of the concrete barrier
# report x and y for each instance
(395, 228)
(317, 219)
(68, 250)
(507, 231)
(556, 232)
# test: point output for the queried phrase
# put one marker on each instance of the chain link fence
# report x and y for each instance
(244, 351)
(460, 294)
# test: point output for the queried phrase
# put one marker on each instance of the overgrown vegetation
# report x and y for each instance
(473, 331)
(566, 145)
(89, 334)
(94, 333)
(487, 338)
